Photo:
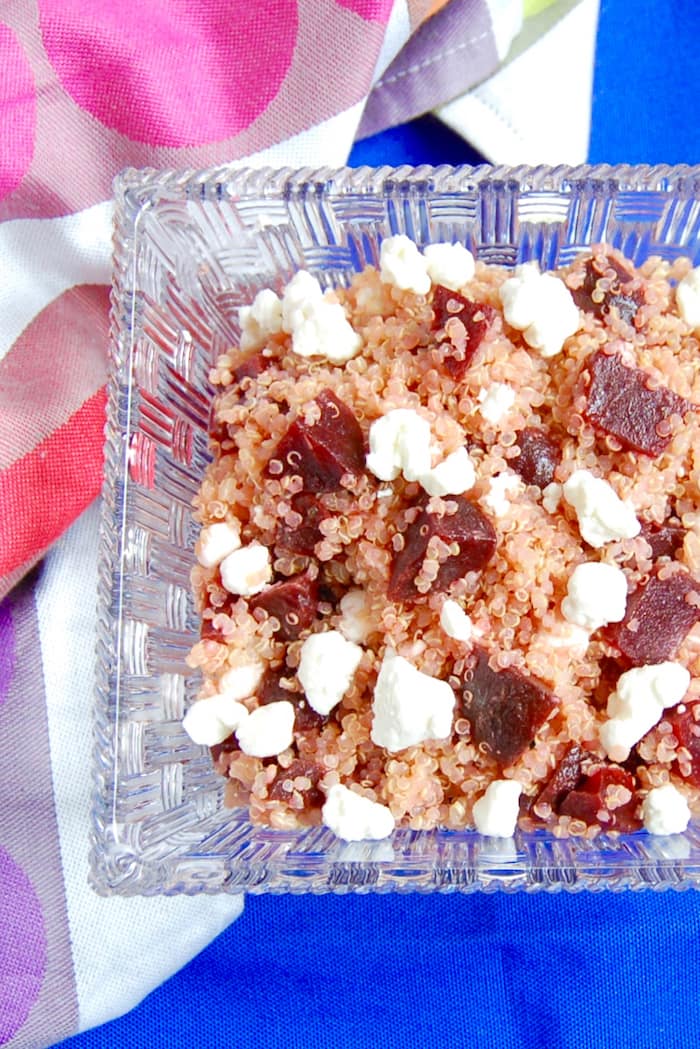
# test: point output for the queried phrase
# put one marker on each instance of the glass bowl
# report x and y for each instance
(190, 248)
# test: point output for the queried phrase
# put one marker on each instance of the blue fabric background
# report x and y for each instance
(470, 972)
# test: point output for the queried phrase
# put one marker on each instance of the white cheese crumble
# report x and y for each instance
(665, 811)
(326, 668)
(210, 721)
(409, 706)
(353, 817)
(455, 621)
(500, 485)
(401, 264)
(216, 541)
(268, 730)
(356, 623)
(637, 704)
(496, 812)
(453, 476)
(318, 328)
(260, 320)
(399, 442)
(688, 298)
(602, 515)
(241, 682)
(596, 595)
(496, 402)
(301, 295)
(247, 571)
(451, 265)
(541, 307)
(551, 497)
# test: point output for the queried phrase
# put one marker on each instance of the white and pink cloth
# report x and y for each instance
(88, 87)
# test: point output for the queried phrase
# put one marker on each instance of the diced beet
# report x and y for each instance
(621, 404)
(313, 796)
(272, 691)
(468, 527)
(687, 731)
(302, 539)
(306, 719)
(322, 453)
(563, 780)
(228, 746)
(475, 318)
(659, 615)
(219, 432)
(614, 297)
(589, 799)
(664, 539)
(505, 708)
(209, 632)
(540, 454)
(251, 366)
(610, 671)
(292, 601)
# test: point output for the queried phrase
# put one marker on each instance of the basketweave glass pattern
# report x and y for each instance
(190, 248)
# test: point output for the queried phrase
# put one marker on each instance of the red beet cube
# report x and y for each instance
(614, 296)
(540, 454)
(687, 731)
(664, 539)
(591, 798)
(292, 601)
(272, 691)
(227, 746)
(302, 539)
(468, 527)
(610, 670)
(621, 404)
(563, 780)
(323, 452)
(251, 366)
(659, 615)
(505, 708)
(465, 337)
(313, 795)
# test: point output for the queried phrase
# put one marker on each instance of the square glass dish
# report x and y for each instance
(190, 249)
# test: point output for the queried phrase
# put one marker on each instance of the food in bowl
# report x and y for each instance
(450, 549)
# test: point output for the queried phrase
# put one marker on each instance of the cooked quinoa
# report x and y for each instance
(467, 586)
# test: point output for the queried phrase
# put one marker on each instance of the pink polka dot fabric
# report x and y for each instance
(370, 10)
(17, 111)
(87, 88)
(171, 73)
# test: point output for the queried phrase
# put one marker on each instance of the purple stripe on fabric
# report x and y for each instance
(450, 53)
(22, 947)
(7, 648)
(38, 1003)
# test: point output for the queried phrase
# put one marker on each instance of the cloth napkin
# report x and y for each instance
(88, 87)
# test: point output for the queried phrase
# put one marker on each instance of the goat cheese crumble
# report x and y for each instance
(665, 811)
(353, 817)
(409, 706)
(541, 307)
(326, 668)
(496, 811)
(602, 515)
(637, 704)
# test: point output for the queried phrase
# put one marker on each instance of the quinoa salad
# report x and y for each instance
(448, 569)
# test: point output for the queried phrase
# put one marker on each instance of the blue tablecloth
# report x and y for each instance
(509, 971)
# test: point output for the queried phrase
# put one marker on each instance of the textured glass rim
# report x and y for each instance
(116, 867)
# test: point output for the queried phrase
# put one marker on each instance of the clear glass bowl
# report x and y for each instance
(190, 248)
